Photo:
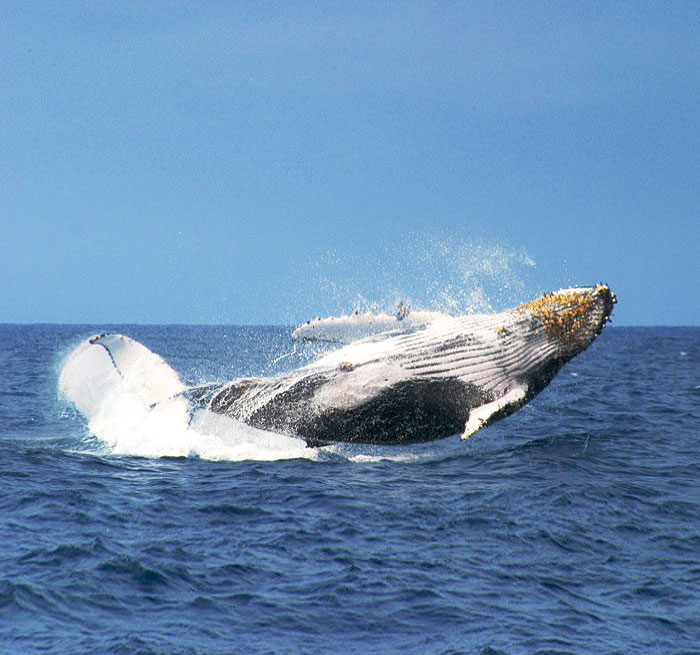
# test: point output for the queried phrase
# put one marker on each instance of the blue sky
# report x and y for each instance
(167, 162)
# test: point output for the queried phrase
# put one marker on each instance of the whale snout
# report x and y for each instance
(573, 317)
(608, 300)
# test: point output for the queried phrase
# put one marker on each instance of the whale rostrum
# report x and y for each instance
(416, 381)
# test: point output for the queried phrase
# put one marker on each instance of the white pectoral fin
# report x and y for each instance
(484, 414)
(109, 365)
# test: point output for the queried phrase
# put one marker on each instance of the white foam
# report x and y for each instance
(346, 451)
(127, 426)
(118, 408)
(367, 459)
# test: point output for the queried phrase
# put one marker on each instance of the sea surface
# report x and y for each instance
(572, 526)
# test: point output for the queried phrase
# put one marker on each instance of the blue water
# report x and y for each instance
(572, 526)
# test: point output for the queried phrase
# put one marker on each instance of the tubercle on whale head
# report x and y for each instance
(572, 317)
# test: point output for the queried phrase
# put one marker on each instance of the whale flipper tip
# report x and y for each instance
(486, 414)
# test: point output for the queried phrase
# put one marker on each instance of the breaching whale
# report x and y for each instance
(445, 376)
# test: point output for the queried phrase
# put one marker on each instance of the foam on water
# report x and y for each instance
(128, 427)
(363, 454)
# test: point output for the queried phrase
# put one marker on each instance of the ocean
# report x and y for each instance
(572, 526)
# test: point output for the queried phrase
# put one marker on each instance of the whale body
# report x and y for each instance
(448, 375)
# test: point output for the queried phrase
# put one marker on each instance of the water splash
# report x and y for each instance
(133, 404)
(125, 426)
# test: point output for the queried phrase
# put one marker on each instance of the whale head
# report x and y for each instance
(554, 328)
(541, 336)
(571, 318)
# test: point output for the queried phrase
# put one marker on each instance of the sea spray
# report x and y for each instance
(438, 273)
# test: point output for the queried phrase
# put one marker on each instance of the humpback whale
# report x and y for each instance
(416, 382)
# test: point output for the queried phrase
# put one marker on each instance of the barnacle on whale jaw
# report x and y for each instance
(573, 317)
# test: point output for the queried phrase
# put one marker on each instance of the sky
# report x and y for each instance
(262, 163)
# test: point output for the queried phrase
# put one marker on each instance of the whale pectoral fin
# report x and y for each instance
(109, 363)
(488, 413)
